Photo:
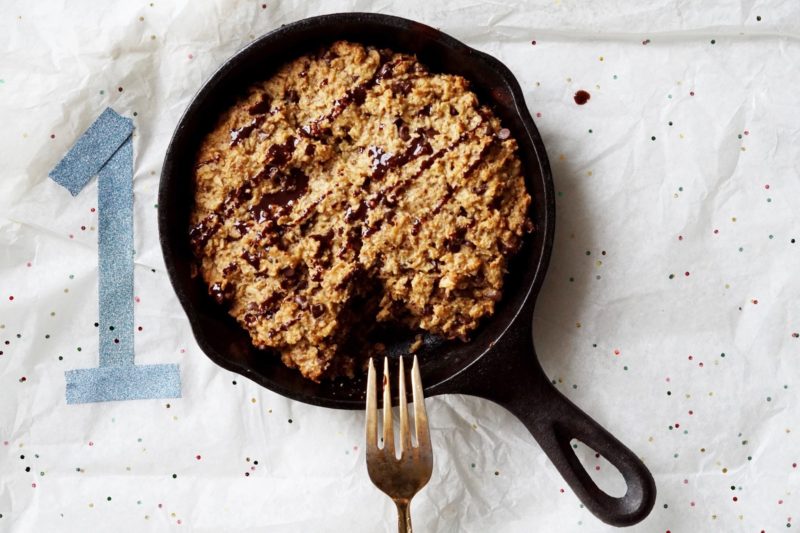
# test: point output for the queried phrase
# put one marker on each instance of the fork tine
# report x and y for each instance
(420, 415)
(388, 428)
(372, 409)
(405, 434)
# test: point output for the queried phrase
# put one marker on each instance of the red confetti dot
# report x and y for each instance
(686, 273)
(766, 186)
(716, 231)
(92, 210)
(33, 485)
(52, 135)
(263, 6)
(197, 457)
(119, 89)
(71, 236)
(91, 443)
(616, 352)
(755, 302)
(29, 263)
(11, 298)
(735, 499)
(691, 412)
(561, 491)
(533, 43)
(677, 425)
(191, 56)
(794, 465)
(538, 115)
(691, 357)
(667, 379)
(140, 328)
(136, 299)
(692, 504)
(83, 228)
(646, 41)
(597, 467)
(179, 522)
(796, 335)
(680, 237)
(746, 132)
(691, 93)
(701, 364)
(23, 379)
(780, 502)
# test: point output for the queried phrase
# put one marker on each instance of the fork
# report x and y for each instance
(399, 478)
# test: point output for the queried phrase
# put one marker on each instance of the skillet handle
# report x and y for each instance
(553, 421)
(512, 377)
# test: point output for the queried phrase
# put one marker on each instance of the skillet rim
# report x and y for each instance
(540, 256)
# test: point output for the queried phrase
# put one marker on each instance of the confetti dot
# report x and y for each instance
(119, 89)
(713, 41)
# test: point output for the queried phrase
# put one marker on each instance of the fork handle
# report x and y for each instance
(403, 515)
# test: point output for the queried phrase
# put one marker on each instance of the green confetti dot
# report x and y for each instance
(174, 476)
(615, 76)
(670, 123)
(740, 135)
(79, 348)
(669, 96)
(72, 276)
(771, 237)
(769, 398)
(560, 194)
(741, 249)
(108, 498)
(713, 41)
(722, 354)
(769, 200)
(671, 276)
(590, 131)
(680, 189)
(588, 252)
(653, 138)
(624, 368)
(102, 92)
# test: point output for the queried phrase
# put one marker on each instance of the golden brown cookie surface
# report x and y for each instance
(353, 187)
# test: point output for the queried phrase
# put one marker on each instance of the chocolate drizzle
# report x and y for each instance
(356, 95)
(383, 162)
(203, 230)
(354, 215)
(260, 107)
(293, 185)
(240, 134)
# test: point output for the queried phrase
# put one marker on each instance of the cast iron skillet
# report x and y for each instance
(499, 363)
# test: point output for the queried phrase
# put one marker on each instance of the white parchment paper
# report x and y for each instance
(670, 312)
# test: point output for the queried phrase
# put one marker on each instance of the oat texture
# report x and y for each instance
(354, 188)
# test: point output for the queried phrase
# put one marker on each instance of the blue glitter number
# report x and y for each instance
(106, 150)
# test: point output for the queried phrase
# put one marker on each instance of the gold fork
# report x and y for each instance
(400, 478)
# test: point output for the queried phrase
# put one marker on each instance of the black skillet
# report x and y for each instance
(499, 363)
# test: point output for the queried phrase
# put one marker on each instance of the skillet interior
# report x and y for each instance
(218, 335)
